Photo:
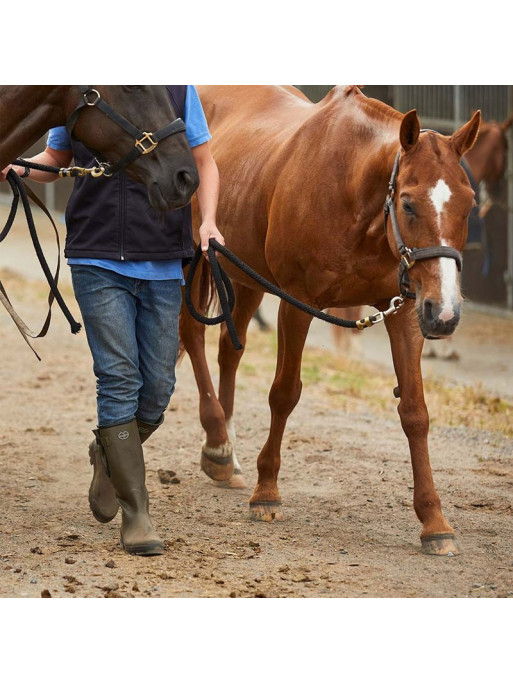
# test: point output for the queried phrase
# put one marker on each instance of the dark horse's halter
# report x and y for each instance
(144, 142)
(409, 256)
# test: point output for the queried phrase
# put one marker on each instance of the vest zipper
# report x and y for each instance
(122, 214)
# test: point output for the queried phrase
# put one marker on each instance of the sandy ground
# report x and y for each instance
(349, 531)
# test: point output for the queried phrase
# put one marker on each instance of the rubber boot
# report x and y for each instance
(125, 464)
(103, 502)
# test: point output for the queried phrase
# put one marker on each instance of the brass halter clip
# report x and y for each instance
(369, 321)
(146, 138)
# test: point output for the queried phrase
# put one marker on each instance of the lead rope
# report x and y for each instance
(19, 188)
(227, 298)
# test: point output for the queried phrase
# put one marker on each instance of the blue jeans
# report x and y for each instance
(132, 331)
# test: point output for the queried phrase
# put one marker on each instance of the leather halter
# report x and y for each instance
(144, 142)
(410, 255)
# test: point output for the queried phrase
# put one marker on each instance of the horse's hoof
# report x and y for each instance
(217, 462)
(236, 481)
(267, 511)
(440, 545)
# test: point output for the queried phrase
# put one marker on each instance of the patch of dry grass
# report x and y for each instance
(355, 386)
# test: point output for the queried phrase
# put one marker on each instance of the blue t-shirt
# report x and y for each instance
(197, 133)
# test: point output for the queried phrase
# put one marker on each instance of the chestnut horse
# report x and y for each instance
(302, 193)
(487, 164)
(169, 172)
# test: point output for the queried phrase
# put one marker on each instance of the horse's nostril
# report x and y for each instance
(185, 181)
(428, 311)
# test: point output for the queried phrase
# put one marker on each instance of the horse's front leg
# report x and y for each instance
(246, 303)
(406, 341)
(216, 452)
(265, 504)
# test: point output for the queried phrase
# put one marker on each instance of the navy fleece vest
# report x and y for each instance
(111, 218)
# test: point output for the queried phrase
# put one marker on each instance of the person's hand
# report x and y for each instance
(4, 172)
(20, 170)
(208, 229)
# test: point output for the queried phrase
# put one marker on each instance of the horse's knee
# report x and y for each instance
(414, 419)
(283, 397)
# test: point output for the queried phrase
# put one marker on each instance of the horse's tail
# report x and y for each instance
(207, 298)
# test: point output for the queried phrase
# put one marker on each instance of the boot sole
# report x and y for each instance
(143, 549)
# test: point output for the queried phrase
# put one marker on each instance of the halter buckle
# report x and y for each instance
(405, 258)
(146, 137)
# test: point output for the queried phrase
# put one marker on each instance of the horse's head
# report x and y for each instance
(433, 200)
(167, 169)
(487, 159)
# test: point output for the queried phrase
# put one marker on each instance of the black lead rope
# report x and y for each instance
(20, 190)
(227, 297)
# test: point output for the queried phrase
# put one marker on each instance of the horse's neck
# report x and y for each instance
(27, 113)
(368, 133)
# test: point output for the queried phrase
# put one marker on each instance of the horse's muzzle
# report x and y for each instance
(432, 325)
(176, 193)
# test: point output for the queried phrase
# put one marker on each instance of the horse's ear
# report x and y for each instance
(506, 124)
(410, 130)
(465, 137)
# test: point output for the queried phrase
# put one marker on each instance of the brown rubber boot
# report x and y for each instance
(103, 502)
(125, 463)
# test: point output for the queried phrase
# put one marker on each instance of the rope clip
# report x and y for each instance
(395, 305)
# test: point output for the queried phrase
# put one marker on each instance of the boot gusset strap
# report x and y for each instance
(102, 442)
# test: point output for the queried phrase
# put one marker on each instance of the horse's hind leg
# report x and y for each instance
(247, 302)
(265, 504)
(437, 535)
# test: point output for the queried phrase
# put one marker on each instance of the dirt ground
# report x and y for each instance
(346, 482)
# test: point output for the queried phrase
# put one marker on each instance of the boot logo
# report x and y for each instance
(124, 435)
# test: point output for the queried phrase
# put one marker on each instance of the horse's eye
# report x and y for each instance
(408, 209)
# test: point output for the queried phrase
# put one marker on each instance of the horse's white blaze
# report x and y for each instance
(439, 195)
(449, 283)
(449, 286)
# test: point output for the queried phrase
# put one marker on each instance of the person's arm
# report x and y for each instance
(207, 194)
(50, 157)
(58, 153)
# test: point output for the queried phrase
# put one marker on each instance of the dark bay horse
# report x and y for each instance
(302, 192)
(167, 169)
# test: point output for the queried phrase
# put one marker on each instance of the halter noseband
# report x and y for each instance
(144, 142)
(409, 256)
